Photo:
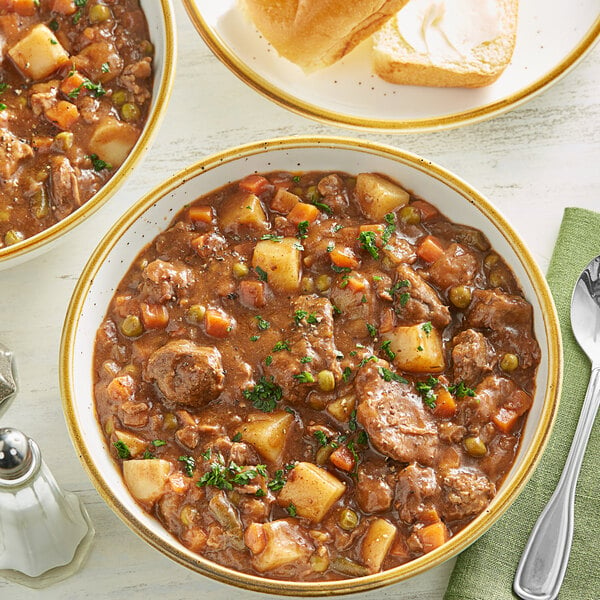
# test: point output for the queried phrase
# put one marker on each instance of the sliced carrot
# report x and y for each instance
(400, 548)
(445, 405)
(74, 81)
(63, 114)
(201, 214)
(255, 184)
(64, 7)
(344, 258)
(303, 212)
(252, 293)
(25, 8)
(430, 249)
(42, 143)
(343, 459)
(505, 420)
(429, 515)
(217, 323)
(284, 201)
(154, 316)
(433, 536)
(428, 211)
(356, 284)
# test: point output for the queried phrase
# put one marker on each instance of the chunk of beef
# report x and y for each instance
(500, 456)
(43, 96)
(398, 250)
(465, 493)
(64, 186)
(373, 493)
(492, 393)
(472, 357)
(332, 188)
(394, 417)
(422, 302)
(354, 301)
(12, 150)
(186, 373)
(175, 242)
(416, 488)
(457, 266)
(463, 234)
(164, 281)
(92, 60)
(312, 337)
(510, 319)
(134, 414)
(134, 72)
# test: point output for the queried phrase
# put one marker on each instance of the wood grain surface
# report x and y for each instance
(532, 163)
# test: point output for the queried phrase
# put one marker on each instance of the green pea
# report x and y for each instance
(509, 362)
(326, 380)
(132, 326)
(475, 446)
(99, 13)
(196, 312)
(130, 111)
(119, 97)
(460, 296)
(410, 215)
(348, 519)
(12, 236)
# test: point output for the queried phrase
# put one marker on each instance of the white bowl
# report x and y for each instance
(161, 24)
(153, 213)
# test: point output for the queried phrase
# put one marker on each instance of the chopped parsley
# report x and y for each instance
(3, 86)
(371, 329)
(390, 219)
(352, 424)
(122, 449)
(426, 327)
(53, 25)
(262, 274)
(365, 360)
(321, 437)
(264, 395)
(311, 319)
(425, 389)
(299, 315)
(323, 207)
(280, 346)
(262, 323)
(98, 163)
(367, 241)
(385, 347)
(53, 42)
(2, 106)
(302, 230)
(148, 455)
(268, 360)
(225, 477)
(388, 375)
(296, 178)
(399, 284)
(305, 377)
(237, 437)
(278, 481)
(341, 269)
(254, 338)
(306, 359)
(419, 348)
(346, 373)
(460, 390)
(291, 510)
(298, 246)
(189, 464)
(272, 237)
(362, 437)
(158, 443)
(260, 493)
(330, 247)
(404, 298)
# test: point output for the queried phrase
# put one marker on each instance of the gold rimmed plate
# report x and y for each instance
(551, 38)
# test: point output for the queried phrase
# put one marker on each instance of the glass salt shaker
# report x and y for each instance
(45, 532)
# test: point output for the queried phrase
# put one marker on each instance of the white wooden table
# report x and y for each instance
(531, 162)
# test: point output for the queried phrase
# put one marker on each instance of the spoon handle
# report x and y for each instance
(544, 561)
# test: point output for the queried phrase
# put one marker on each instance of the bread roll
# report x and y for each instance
(447, 43)
(316, 33)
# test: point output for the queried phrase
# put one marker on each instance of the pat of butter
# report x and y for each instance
(448, 28)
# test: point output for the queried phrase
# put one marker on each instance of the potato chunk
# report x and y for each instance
(312, 490)
(242, 210)
(418, 348)
(146, 479)
(276, 544)
(281, 261)
(378, 196)
(267, 432)
(112, 140)
(39, 53)
(377, 543)
(135, 444)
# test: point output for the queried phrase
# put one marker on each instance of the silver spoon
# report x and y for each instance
(543, 564)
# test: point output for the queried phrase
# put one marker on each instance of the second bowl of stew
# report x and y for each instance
(314, 360)
(83, 87)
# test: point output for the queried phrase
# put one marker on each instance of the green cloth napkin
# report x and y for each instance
(485, 571)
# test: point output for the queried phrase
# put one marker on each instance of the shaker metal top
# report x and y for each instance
(15, 454)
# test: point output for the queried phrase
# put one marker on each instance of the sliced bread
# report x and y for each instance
(316, 33)
(447, 43)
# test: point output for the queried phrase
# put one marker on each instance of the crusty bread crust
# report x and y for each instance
(397, 62)
(316, 33)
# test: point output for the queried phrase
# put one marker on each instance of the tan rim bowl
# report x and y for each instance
(161, 24)
(153, 213)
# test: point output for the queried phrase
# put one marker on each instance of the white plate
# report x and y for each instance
(551, 38)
